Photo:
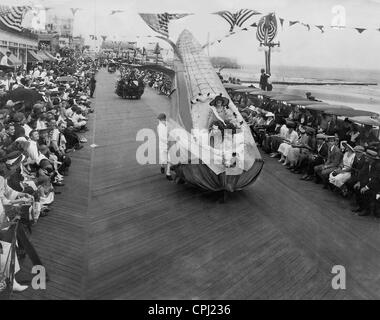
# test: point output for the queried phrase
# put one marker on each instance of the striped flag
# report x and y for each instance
(12, 17)
(160, 22)
(229, 17)
(243, 15)
(238, 18)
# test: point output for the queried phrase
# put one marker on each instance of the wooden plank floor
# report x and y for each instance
(122, 231)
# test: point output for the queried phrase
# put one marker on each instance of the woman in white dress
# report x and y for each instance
(291, 138)
(341, 175)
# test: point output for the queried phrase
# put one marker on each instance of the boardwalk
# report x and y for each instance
(121, 231)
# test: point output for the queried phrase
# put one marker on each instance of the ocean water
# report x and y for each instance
(356, 96)
(283, 73)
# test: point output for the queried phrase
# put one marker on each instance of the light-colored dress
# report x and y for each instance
(285, 147)
(340, 179)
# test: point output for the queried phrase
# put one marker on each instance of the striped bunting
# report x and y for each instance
(160, 22)
(238, 18)
(12, 17)
(243, 15)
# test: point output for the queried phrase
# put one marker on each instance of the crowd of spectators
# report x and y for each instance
(336, 152)
(43, 116)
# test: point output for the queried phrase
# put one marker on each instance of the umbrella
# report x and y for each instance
(66, 79)
(350, 113)
(286, 97)
(303, 102)
(30, 97)
(325, 106)
(369, 121)
(248, 90)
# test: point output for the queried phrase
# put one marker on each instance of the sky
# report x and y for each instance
(344, 48)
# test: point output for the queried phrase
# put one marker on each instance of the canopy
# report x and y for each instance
(14, 61)
(233, 86)
(286, 97)
(49, 55)
(33, 57)
(248, 90)
(303, 102)
(268, 93)
(350, 113)
(43, 56)
(325, 106)
(375, 122)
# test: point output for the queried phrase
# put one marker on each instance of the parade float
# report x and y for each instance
(211, 146)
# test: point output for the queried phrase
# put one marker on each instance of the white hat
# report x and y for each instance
(10, 103)
(270, 114)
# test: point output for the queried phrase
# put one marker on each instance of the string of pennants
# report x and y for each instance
(321, 28)
(233, 30)
(237, 22)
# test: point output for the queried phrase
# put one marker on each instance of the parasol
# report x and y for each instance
(30, 97)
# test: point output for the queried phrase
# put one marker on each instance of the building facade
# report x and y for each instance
(18, 43)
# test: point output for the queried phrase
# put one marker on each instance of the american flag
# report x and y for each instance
(238, 18)
(12, 17)
(159, 22)
(243, 15)
(229, 17)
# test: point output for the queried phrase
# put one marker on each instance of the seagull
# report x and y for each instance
(115, 11)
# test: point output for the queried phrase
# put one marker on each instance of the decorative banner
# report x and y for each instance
(254, 25)
(12, 17)
(74, 10)
(360, 30)
(307, 26)
(322, 28)
(228, 16)
(238, 18)
(160, 22)
(115, 11)
(282, 22)
(93, 37)
(267, 28)
(104, 38)
(291, 23)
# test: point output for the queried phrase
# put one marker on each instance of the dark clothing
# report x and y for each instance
(334, 158)
(357, 165)
(264, 81)
(369, 176)
(92, 86)
(317, 158)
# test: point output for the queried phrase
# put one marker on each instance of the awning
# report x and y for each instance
(43, 56)
(33, 57)
(13, 60)
(50, 56)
